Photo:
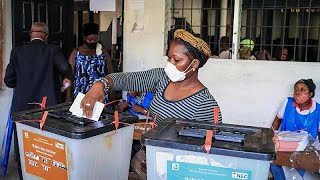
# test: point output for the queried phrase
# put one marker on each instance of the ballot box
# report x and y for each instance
(175, 151)
(73, 148)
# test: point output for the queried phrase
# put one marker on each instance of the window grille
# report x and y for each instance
(272, 26)
(275, 25)
(208, 19)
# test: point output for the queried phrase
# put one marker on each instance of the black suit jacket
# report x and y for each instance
(32, 72)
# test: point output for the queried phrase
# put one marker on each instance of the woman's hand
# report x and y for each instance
(96, 93)
(122, 106)
(137, 108)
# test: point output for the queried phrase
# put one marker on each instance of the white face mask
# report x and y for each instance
(174, 74)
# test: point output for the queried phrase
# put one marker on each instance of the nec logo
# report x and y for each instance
(238, 175)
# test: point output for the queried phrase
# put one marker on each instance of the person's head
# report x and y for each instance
(224, 43)
(246, 48)
(186, 55)
(90, 34)
(248, 43)
(39, 30)
(304, 90)
(263, 54)
(283, 54)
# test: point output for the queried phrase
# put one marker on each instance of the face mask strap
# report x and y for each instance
(188, 67)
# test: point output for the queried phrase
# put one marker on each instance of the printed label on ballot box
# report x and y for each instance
(189, 171)
(45, 157)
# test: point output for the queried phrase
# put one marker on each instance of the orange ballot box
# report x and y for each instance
(73, 148)
(44, 157)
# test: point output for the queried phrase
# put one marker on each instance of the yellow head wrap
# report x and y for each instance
(196, 42)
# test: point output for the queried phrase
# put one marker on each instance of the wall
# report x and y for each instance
(6, 93)
(143, 38)
(248, 92)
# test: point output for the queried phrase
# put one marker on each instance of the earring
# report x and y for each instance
(193, 69)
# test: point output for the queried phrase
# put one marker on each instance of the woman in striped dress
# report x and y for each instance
(178, 91)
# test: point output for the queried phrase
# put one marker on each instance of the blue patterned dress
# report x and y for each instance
(88, 69)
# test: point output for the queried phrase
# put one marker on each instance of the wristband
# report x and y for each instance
(105, 83)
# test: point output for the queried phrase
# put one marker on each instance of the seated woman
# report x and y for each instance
(136, 103)
(297, 113)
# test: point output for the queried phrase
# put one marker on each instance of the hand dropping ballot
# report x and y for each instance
(77, 111)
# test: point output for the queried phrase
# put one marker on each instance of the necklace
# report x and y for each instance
(185, 90)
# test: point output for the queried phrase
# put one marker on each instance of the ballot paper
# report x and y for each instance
(76, 110)
(291, 141)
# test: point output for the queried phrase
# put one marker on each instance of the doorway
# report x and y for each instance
(57, 14)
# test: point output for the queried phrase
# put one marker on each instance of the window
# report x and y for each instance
(288, 29)
(274, 29)
(208, 19)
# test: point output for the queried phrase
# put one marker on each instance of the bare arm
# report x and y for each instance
(108, 61)
(276, 123)
(142, 81)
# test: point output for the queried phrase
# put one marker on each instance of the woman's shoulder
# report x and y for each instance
(74, 52)
(206, 93)
(162, 77)
(158, 70)
(316, 103)
(204, 96)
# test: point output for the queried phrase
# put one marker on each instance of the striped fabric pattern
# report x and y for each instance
(198, 106)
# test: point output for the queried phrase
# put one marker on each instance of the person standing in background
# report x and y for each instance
(282, 55)
(32, 73)
(32, 68)
(262, 54)
(225, 48)
(246, 48)
(89, 62)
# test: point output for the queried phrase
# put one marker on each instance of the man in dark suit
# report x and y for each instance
(32, 72)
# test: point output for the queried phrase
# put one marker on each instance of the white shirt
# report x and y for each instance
(304, 112)
(37, 39)
(225, 55)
